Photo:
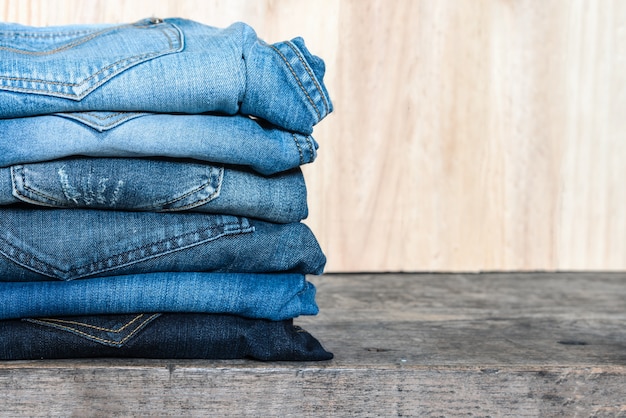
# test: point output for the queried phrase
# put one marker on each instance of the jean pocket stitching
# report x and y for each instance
(34, 263)
(127, 116)
(28, 190)
(30, 261)
(139, 327)
(32, 35)
(69, 45)
(136, 58)
(57, 321)
(47, 200)
(210, 183)
(100, 127)
(97, 267)
(170, 34)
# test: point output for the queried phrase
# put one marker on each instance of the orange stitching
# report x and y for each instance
(122, 341)
(82, 324)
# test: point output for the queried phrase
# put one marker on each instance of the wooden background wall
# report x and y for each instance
(467, 134)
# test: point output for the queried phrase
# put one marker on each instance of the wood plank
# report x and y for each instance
(523, 345)
(467, 136)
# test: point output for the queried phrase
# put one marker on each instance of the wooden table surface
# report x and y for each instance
(524, 344)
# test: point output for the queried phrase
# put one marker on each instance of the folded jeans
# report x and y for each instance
(66, 244)
(160, 335)
(268, 296)
(234, 140)
(163, 66)
(156, 185)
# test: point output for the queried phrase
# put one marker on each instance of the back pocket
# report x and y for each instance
(68, 244)
(73, 61)
(115, 183)
(110, 330)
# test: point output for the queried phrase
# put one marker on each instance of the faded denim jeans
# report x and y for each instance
(156, 116)
(68, 244)
(161, 66)
(158, 185)
(262, 296)
(174, 335)
(232, 140)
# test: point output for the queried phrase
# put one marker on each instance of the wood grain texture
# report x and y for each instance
(522, 345)
(467, 135)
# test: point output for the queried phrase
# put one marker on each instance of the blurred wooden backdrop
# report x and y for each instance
(467, 134)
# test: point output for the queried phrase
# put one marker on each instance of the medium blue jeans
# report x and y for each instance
(162, 66)
(176, 335)
(233, 140)
(68, 244)
(156, 185)
(268, 296)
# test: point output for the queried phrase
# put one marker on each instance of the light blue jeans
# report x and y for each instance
(68, 244)
(269, 296)
(162, 66)
(156, 185)
(233, 140)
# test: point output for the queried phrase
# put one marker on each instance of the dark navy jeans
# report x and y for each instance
(175, 335)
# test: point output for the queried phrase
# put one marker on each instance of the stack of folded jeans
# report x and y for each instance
(151, 193)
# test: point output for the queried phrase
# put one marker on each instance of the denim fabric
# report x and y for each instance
(156, 185)
(178, 336)
(67, 244)
(162, 66)
(233, 140)
(269, 296)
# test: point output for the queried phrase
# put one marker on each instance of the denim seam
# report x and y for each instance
(31, 35)
(87, 122)
(83, 82)
(305, 287)
(293, 72)
(57, 321)
(95, 115)
(17, 191)
(101, 127)
(34, 35)
(196, 190)
(66, 46)
(295, 139)
(310, 72)
(72, 273)
(93, 337)
(62, 83)
(59, 203)
(54, 33)
(311, 147)
(130, 61)
(160, 254)
(43, 268)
